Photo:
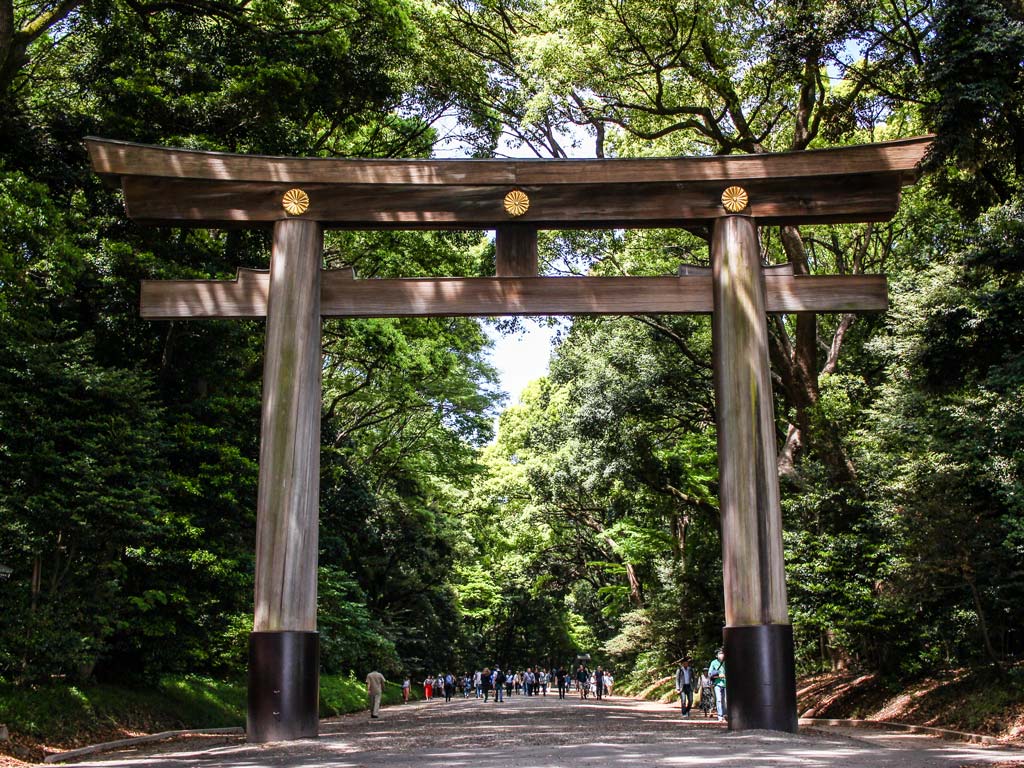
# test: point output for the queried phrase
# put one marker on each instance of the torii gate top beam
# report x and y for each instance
(214, 189)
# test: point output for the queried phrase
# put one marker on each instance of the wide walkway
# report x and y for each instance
(543, 732)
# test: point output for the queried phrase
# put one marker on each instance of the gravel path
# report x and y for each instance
(541, 732)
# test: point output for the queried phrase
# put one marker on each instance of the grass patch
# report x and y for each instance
(341, 695)
(62, 715)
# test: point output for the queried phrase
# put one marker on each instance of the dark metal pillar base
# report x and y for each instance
(761, 678)
(284, 686)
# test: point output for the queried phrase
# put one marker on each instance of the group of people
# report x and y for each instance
(495, 683)
(710, 684)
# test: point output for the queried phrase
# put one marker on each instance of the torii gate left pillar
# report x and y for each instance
(758, 636)
(284, 648)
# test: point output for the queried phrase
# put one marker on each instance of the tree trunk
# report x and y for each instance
(37, 581)
(635, 592)
(990, 651)
(797, 367)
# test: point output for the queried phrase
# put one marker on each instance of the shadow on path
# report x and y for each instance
(543, 732)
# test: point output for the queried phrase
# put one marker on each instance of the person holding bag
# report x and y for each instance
(716, 673)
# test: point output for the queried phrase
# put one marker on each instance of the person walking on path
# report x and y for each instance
(428, 687)
(599, 683)
(561, 679)
(499, 685)
(684, 686)
(583, 681)
(485, 682)
(375, 690)
(406, 686)
(707, 694)
(478, 683)
(716, 673)
(449, 686)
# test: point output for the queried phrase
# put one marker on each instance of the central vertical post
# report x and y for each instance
(761, 680)
(284, 652)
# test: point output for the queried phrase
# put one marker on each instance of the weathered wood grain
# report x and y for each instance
(288, 500)
(342, 296)
(829, 199)
(752, 560)
(118, 158)
(515, 251)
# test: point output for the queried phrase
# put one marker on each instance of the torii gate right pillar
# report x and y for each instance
(758, 637)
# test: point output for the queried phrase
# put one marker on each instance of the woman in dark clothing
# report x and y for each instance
(485, 682)
(561, 678)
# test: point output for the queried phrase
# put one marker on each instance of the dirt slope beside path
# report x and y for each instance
(968, 700)
(544, 732)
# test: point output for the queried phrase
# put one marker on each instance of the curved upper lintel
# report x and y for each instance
(121, 158)
(192, 188)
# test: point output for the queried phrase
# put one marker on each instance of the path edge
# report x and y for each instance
(974, 738)
(106, 746)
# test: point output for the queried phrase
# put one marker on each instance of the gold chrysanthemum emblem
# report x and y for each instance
(295, 202)
(516, 203)
(735, 199)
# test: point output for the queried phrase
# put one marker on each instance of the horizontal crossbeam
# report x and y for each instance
(343, 296)
(868, 197)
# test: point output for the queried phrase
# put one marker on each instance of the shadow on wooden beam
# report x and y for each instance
(342, 296)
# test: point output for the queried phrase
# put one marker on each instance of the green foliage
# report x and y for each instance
(128, 449)
(350, 638)
(975, 68)
(341, 695)
(64, 714)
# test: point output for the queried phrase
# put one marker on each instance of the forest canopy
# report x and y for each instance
(587, 520)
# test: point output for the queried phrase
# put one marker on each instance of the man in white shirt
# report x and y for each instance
(375, 690)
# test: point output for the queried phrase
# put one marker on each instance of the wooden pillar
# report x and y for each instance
(758, 637)
(515, 251)
(284, 646)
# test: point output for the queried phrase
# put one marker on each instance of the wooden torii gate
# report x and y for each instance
(300, 197)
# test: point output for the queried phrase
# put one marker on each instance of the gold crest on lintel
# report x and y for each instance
(735, 199)
(295, 202)
(516, 203)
